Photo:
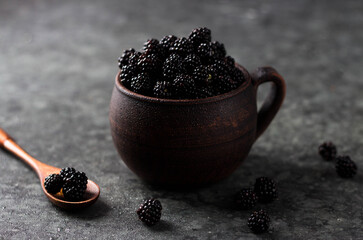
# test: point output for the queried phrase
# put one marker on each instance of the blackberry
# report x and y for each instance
(223, 84)
(67, 173)
(220, 68)
(149, 63)
(142, 84)
(265, 189)
(181, 46)
(53, 183)
(345, 167)
(183, 87)
(171, 67)
(124, 59)
(127, 73)
(203, 92)
(246, 198)
(190, 62)
(162, 89)
(134, 58)
(229, 61)
(328, 151)
(200, 35)
(218, 49)
(75, 186)
(166, 42)
(202, 76)
(205, 52)
(152, 46)
(237, 75)
(150, 211)
(259, 221)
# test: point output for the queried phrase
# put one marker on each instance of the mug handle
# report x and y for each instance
(273, 101)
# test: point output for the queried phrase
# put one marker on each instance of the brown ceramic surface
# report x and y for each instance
(191, 142)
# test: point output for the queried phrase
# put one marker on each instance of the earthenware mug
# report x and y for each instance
(192, 142)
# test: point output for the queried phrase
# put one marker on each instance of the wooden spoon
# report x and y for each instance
(43, 170)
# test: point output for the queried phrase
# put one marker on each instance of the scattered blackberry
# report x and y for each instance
(328, 151)
(162, 89)
(181, 46)
(190, 62)
(265, 188)
(259, 221)
(201, 76)
(149, 63)
(345, 167)
(246, 198)
(127, 73)
(166, 42)
(75, 186)
(200, 35)
(218, 49)
(124, 59)
(142, 84)
(171, 67)
(53, 183)
(150, 211)
(183, 86)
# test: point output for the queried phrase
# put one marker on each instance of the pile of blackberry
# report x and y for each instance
(180, 68)
(69, 181)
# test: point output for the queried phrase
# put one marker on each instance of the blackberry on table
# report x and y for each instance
(345, 167)
(124, 59)
(150, 211)
(259, 221)
(162, 89)
(141, 84)
(265, 189)
(181, 46)
(328, 151)
(171, 67)
(200, 35)
(183, 86)
(53, 183)
(246, 198)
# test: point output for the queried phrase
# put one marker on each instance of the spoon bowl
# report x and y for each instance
(43, 170)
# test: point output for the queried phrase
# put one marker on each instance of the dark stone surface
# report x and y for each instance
(57, 66)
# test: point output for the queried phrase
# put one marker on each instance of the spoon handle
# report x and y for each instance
(8, 144)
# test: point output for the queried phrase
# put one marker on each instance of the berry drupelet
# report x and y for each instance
(171, 67)
(181, 46)
(328, 151)
(142, 84)
(265, 188)
(345, 167)
(53, 183)
(150, 211)
(200, 35)
(74, 184)
(124, 59)
(259, 221)
(246, 198)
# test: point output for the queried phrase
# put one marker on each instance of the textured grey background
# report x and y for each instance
(57, 67)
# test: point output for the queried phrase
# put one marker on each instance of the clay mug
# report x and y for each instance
(188, 143)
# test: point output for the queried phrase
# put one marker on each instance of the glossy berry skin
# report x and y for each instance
(265, 189)
(127, 73)
(328, 151)
(163, 89)
(74, 184)
(190, 62)
(259, 221)
(53, 183)
(246, 198)
(200, 35)
(152, 46)
(181, 46)
(67, 173)
(345, 167)
(142, 84)
(124, 59)
(218, 50)
(166, 42)
(150, 212)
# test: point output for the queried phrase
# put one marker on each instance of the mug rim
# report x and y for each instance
(122, 89)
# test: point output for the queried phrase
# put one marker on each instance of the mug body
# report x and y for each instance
(183, 142)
